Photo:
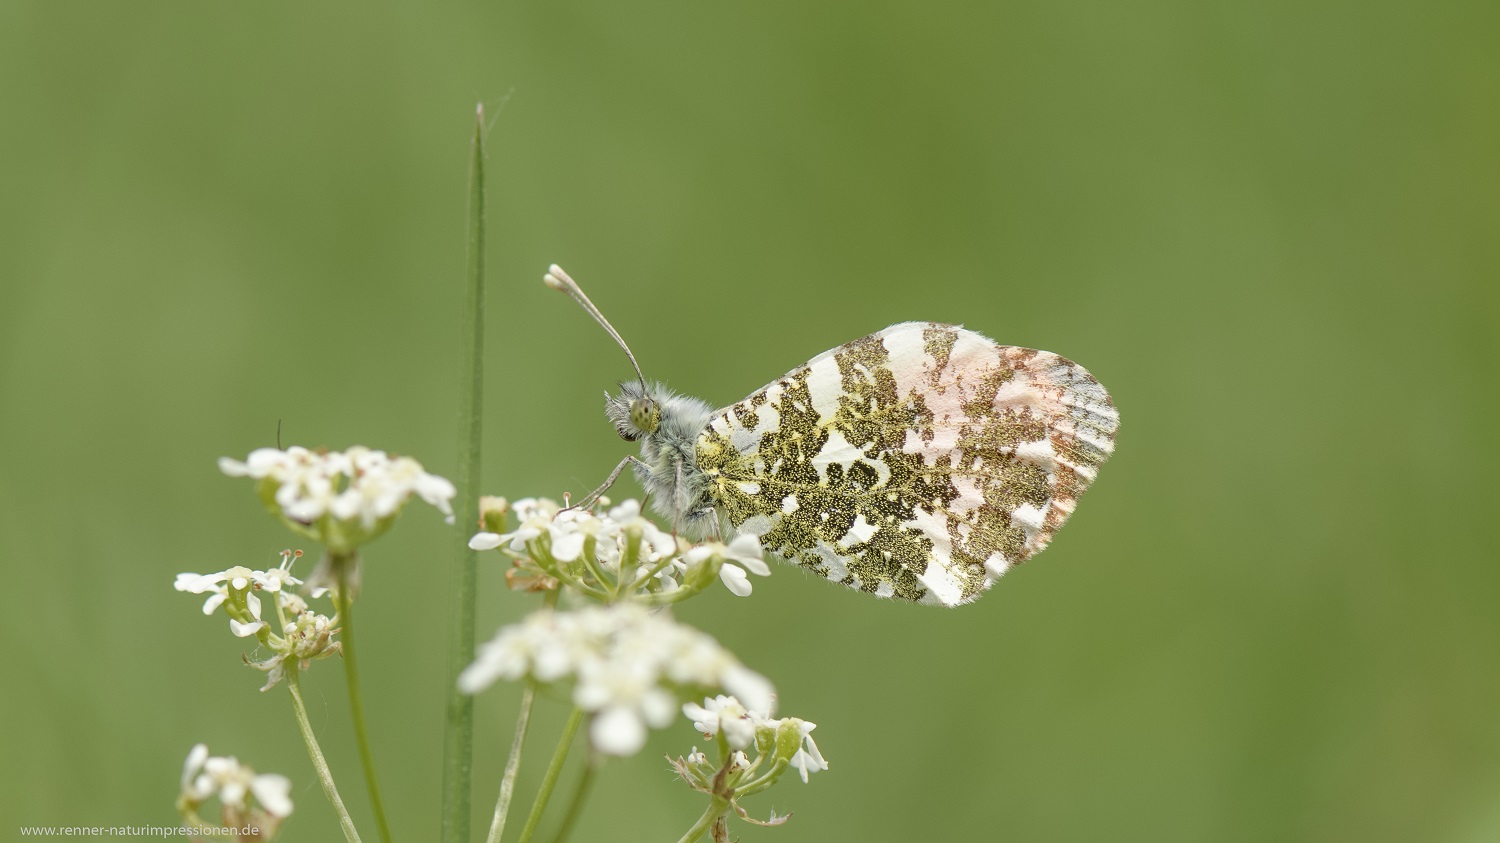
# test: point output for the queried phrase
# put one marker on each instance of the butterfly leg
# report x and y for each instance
(593, 497)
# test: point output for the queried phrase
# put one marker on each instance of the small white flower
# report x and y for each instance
(753, 690)
(807, 759)
(193, 766)
(291, 603)
(567, 545)
(274, 579)
(238, 578)
(618, 730)
(204, 776)
(248, 628)
(740, 556)
(726, 714)
(629, 665)
(233, 586)
(535, 516)
(661, 559)
(199, 583)
(359, 486)
(486, 541)
(273, 792)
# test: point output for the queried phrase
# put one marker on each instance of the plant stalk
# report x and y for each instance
(458, 733)
(325, 775)
(549, 780)
(575, 805)
(345, 608)
(716, 809)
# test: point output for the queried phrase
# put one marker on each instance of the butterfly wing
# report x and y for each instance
(919, 462)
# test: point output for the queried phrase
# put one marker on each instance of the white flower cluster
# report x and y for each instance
(204, 776)
(632, 667)
(358, 485)
(661, 561)
(741, 725)
(778, 745)
(242, 583)
(306, 636)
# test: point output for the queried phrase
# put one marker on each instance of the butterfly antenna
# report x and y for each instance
(559, 280)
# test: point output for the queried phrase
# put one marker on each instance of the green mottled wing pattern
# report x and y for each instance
(920, 462)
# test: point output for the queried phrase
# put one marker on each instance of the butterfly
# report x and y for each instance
(920, 462)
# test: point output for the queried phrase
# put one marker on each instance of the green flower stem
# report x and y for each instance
(716, 809)
(751, 788)
(591, 562)
(580, 795)
(513, 763)
(345, 608)
(325, 776)
(458, 730)
(628, 562)
(549, 781)
(656, 569)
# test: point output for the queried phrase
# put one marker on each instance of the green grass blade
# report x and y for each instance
(458, 735)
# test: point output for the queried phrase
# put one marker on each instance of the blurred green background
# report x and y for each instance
(1270, 229)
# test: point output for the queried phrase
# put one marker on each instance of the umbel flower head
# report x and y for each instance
(245, 797)
(631, 668)
(617, 554)
(737, 730)
(305, 635)
(340, 499)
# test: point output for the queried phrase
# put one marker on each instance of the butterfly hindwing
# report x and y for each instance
(919, 462)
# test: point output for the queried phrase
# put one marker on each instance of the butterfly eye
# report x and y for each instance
(645, 414)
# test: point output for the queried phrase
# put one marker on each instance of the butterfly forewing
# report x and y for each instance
(919, 462)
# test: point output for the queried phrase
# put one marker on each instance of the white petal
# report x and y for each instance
(477, 676)
(263, 461)
(618, 731)
(753, 565)
(755, 692)
(746, 544)
(567, 547)
(346, 505)
(437, 491)
(658, 706)
(253, 601)
(812, 750)
(233, 468)
(274, 793)
(800, 761)
(245, 630)
(213, 602)
(202, 787)
(739, 731)
(627, 510)
(196, 756)
(484, 541)
(233, 793)
(734, 578)
(189, 583)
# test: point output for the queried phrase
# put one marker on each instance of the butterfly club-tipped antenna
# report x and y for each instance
(644, 412)
(559, 280)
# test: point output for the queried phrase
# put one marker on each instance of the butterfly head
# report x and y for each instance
(656, 414)
(634, 411)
